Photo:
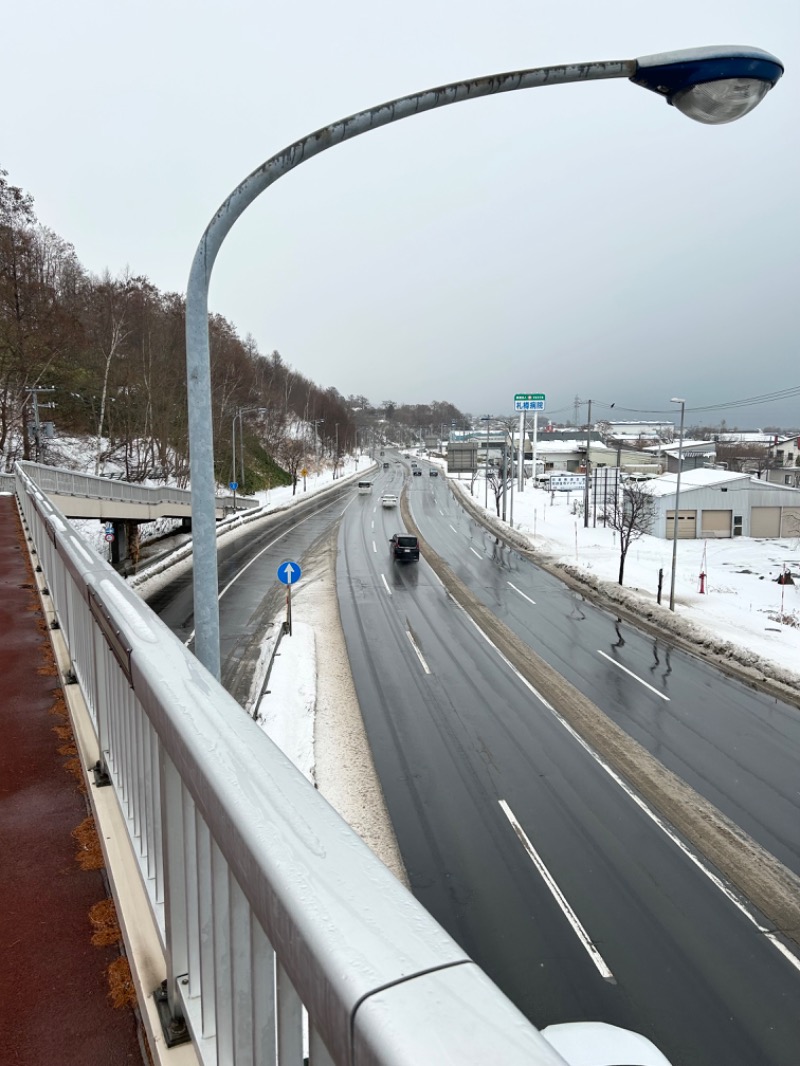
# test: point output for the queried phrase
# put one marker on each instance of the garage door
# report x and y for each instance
(687, 524)
(765, 522)
(790, 522)
(716, 524)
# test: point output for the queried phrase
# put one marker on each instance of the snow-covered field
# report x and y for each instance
(742, 610)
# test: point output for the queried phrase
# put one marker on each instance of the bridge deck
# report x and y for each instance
(55, 984)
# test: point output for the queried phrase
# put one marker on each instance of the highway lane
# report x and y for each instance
(454, 732)
(250, 593)
(737, 747)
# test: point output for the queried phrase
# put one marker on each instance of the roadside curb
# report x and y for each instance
(624, 602)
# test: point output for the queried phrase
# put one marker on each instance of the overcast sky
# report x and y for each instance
(582, 240)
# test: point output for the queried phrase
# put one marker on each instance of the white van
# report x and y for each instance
(365, 487)
(388, 500)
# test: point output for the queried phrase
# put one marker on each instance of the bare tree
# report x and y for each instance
(631, 514)
(291, 455)
(498, 483)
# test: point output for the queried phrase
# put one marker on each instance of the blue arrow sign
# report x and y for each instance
(289, 573)
(233, 485)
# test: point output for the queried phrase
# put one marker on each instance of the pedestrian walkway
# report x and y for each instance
(65, 990)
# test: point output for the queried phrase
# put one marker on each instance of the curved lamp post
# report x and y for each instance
(712, 85)
(676, 512)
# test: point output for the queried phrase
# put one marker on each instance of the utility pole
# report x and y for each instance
(37, 427)
(487, 420)
(588, 469)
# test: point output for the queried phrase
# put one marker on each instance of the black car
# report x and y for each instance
(404, 547)
(417, 473)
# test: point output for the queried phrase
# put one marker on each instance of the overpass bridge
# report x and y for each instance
(122, 505)
(246, 903)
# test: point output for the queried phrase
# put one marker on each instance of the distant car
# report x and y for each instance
(417, 473)
(385, 466)
(388, 500)
(433, 473)
(404, 548)
(413, 465)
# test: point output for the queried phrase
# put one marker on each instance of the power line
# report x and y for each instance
(751, 401)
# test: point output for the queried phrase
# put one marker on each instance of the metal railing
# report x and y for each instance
(70, 483)
(266, 902)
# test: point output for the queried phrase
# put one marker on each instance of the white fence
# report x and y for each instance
(264, 900)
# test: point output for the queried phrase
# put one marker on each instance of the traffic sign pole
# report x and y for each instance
(288, 574)
(524, 402)
(521, 467)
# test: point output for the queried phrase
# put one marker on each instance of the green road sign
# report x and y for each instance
(529, 401)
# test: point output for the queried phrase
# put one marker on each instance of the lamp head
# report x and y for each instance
(711, 85)
(677, 399)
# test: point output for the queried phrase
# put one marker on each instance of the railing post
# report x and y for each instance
(175, 904)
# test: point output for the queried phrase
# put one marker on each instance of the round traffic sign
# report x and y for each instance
(289, 573)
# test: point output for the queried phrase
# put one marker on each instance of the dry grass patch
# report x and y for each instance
(103, 916)
(121, 989)
(89, 854)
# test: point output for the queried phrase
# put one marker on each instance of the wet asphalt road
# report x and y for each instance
(491, 796)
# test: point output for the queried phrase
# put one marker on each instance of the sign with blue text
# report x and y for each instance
(289, 573)
(529, 401)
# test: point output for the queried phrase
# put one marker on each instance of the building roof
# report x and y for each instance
(673, 447)
(547, 444)
(693, 479)
(747, 436)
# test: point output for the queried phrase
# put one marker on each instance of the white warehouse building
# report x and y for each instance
(721, 503)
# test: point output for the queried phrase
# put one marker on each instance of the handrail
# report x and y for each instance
(264, 899)
(57, 481)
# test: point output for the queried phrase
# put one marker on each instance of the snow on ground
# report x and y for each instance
(308, 705)
(743, 612)
(311, 710)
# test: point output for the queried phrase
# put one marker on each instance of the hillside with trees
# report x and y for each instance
(112, 350)
(103, 358)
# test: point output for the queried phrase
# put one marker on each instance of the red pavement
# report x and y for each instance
(55, 984)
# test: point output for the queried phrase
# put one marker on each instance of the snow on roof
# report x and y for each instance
(693, 479)
(747, 437)
(546, 445)
(673, 446)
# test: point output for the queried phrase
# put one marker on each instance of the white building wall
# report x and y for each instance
(739, 498)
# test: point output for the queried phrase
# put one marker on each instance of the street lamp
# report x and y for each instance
(315, 423)
(240, 411)
(487, 419)
(711, 85)
(677, 505)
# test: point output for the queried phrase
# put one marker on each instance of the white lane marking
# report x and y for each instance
(452, 527)
(372, 524)
(558, 895)
(441, 512)
(255, 558)
(642, 804)
(414, 645)
(473, 550)
(633, 675)
(522, 594)
(386, 584)
(374, 546)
